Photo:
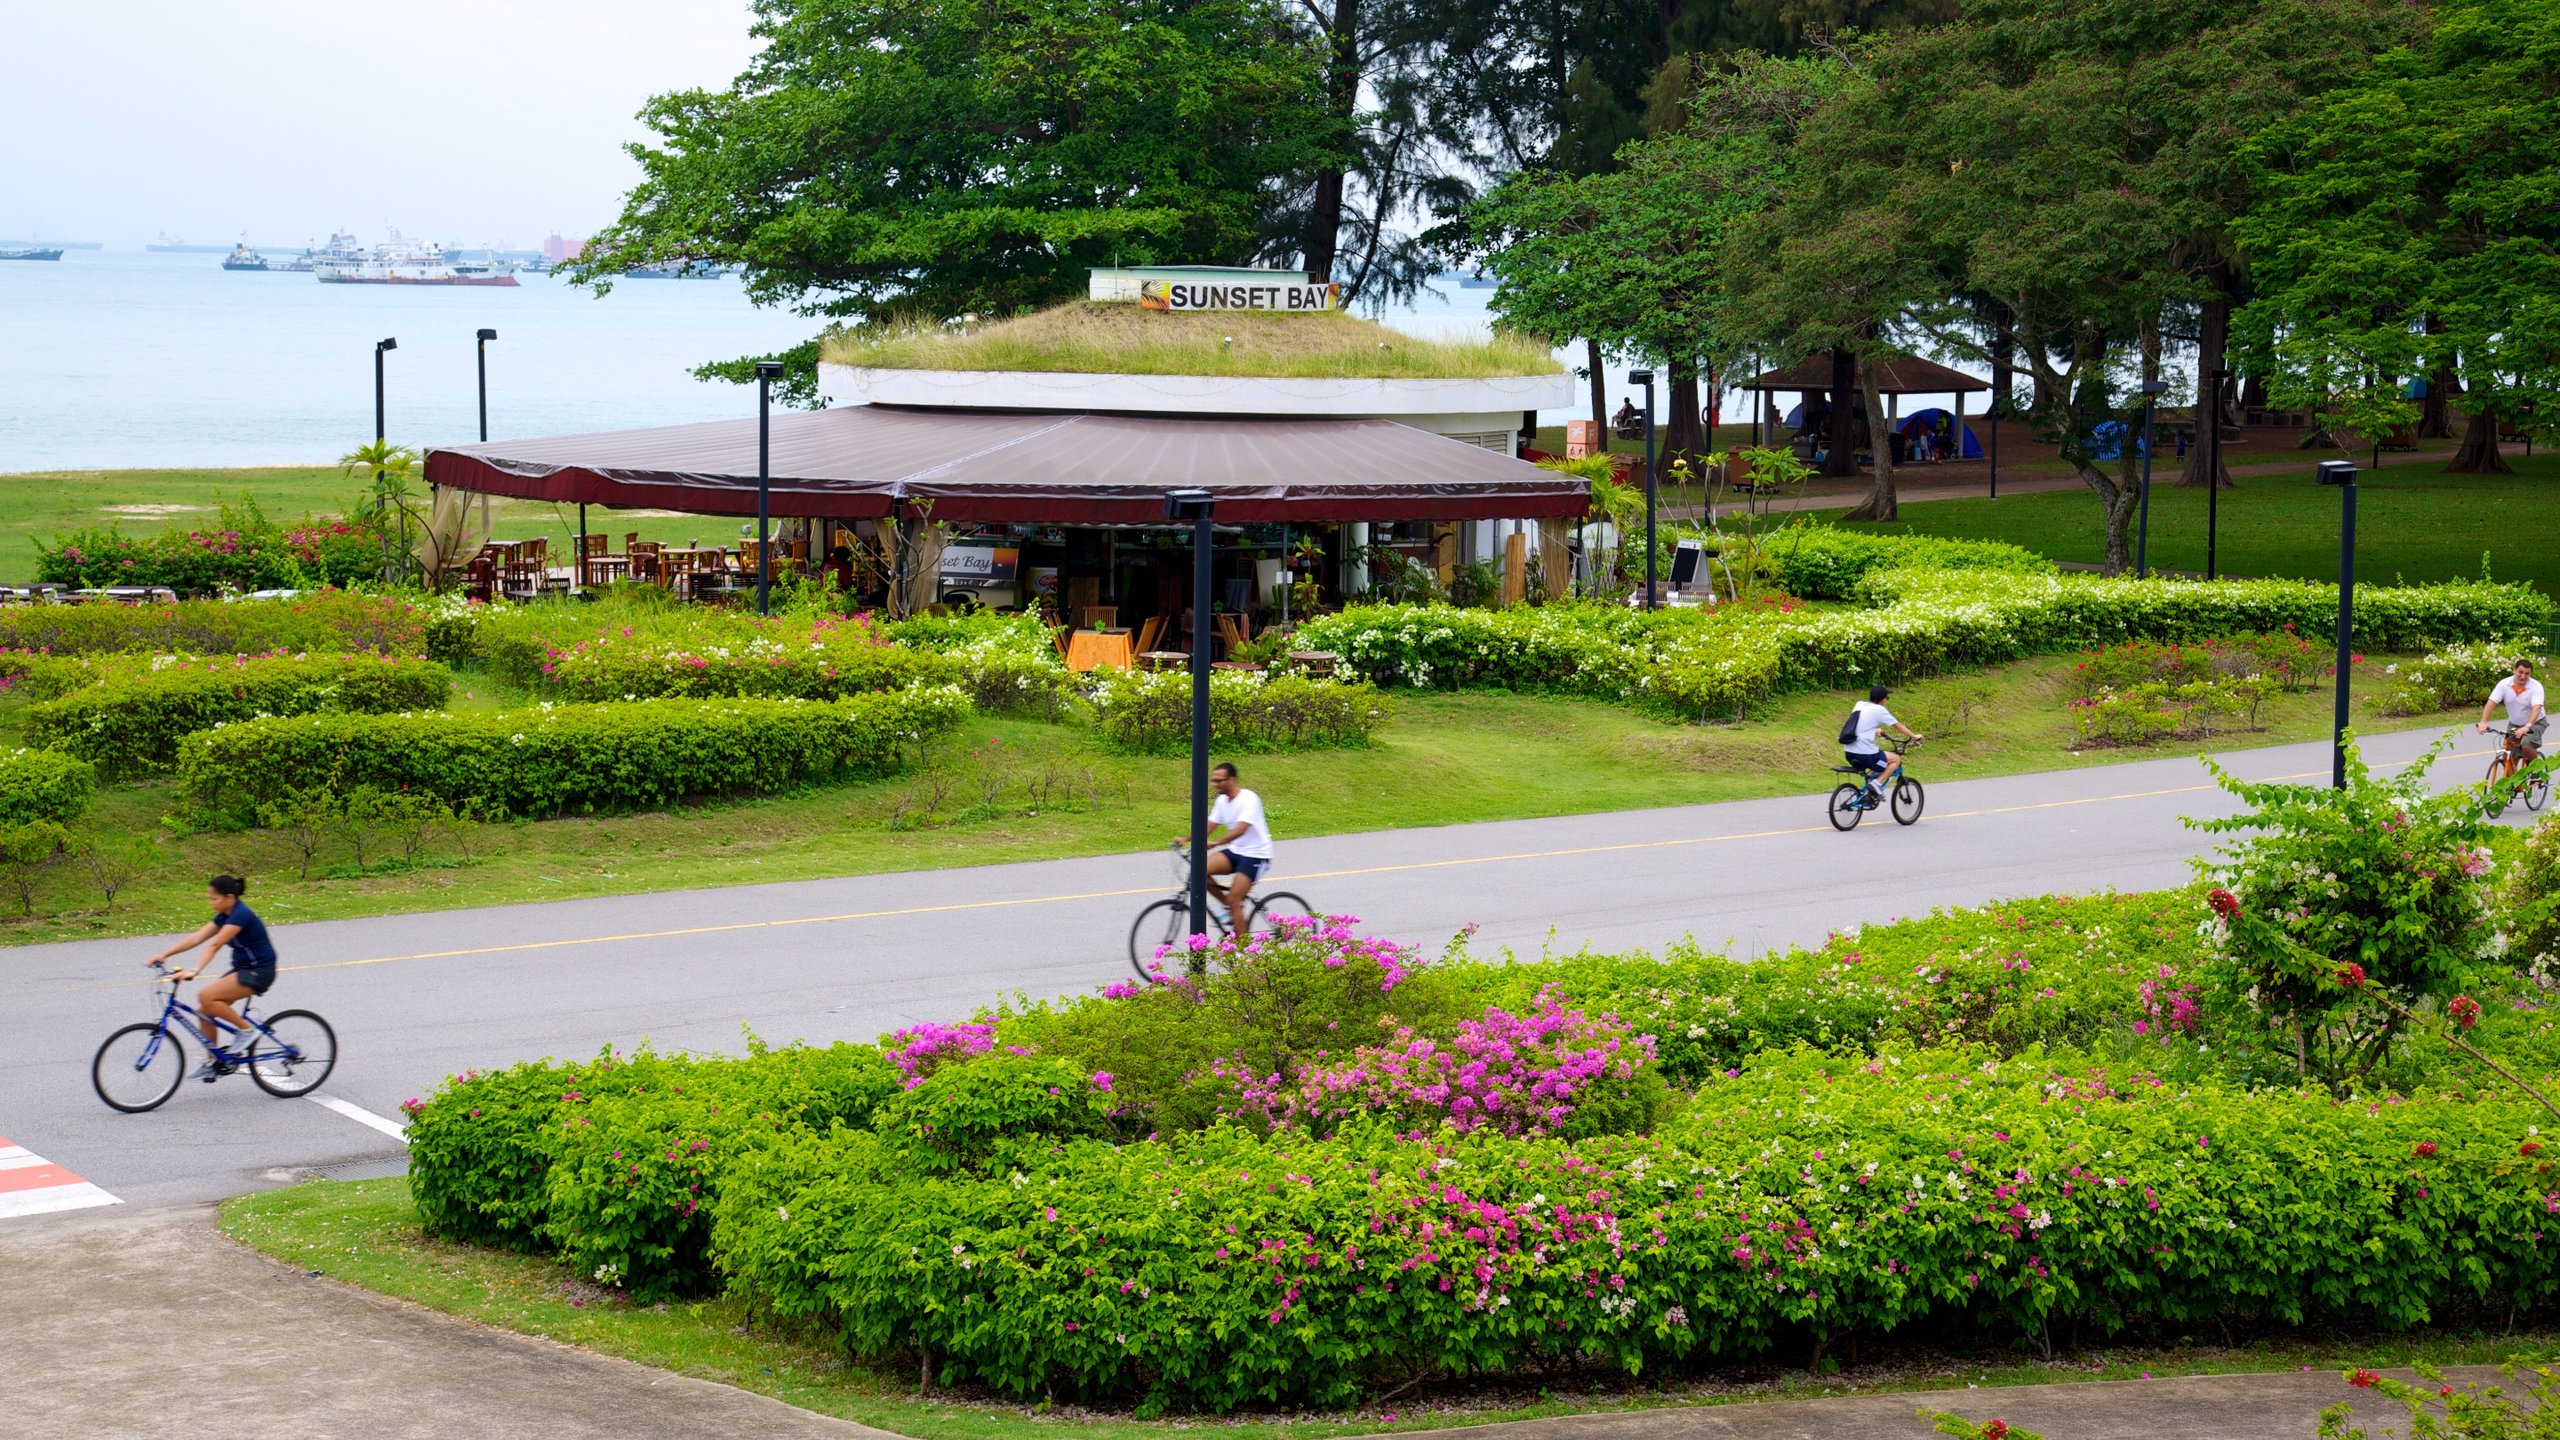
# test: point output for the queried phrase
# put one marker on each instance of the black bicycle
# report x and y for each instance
(139, 1067)
(1851, 800)
(1166, 923)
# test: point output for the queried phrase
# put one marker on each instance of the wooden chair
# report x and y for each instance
(480, 579)
(522, 580)
(537, 551)
(1097, 617)
(1058, 636)
(631, 541)
(591, 546)
(1150, 630)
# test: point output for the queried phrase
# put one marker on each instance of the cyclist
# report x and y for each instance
(1239, 839)
(1858, 739)
(2522, 695)
(253, 967)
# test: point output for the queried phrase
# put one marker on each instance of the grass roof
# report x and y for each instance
(1120, 339)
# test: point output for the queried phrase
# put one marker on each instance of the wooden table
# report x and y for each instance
(1165, 660)
(1318, 663)
(604, 569)
(1101, 650)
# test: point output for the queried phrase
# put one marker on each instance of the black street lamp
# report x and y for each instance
(485, 336)
(1644, 378)
(2213, 481)
(380, 348)
(2342, 474)
(2152, 390)
(1197, 506)
(767, 371)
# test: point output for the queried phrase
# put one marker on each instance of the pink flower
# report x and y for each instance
(2464, 1011)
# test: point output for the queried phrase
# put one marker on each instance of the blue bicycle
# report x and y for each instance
(140, 1066)
(1851, 800)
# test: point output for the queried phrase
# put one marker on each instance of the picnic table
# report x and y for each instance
(1112, 649)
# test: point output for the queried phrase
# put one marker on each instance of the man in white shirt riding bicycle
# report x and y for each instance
(1239, 839)
(1867, 721)
(2522, 695)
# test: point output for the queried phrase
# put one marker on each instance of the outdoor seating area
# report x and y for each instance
(524, 570)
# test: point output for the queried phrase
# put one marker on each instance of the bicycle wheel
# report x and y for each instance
(1164, 923)
(1846, 811)
(2496, 796)
(1277, 906)
(296, 1053)
(1908, 798)
(138, 1068)
(2537, 792)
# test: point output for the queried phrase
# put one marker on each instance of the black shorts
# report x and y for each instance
(1871, 763)
(256, 977)
(1249, 866)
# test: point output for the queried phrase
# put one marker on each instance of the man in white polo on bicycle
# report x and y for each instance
(1858, 739)
(1239, 840)
(2522, 695)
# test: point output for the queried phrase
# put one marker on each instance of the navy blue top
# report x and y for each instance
(250, 949)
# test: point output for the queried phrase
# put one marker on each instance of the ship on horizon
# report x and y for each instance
(244, 258)
(33, 252)
(398, 261)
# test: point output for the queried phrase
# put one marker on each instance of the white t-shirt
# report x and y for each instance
(1253, 837)
(2520, 703)
(1872, 718)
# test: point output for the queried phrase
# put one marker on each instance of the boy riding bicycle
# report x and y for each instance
(1868, 720)
(253, 969)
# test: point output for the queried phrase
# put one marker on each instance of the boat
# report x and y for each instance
(404, 262)
(244, 258)
(48, 252)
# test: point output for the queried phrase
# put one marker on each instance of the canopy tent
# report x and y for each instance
(1909, 375)
(1933, 418)
(997, 467)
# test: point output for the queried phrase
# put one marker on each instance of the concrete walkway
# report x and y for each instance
(150, 1323)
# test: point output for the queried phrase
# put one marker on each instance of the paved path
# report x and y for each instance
(415, 997)
(186, 1334)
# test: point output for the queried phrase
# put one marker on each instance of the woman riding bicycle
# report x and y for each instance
(1868, 720)
(253, 967)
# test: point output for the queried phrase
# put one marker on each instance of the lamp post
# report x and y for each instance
(1644, 378)
(2151, 393)
(2342, 474)
(380, 348)
(1197, 506)
(485, 336)
(2213, 481)
(767, 371)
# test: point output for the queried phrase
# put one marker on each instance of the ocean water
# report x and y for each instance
(122, 358)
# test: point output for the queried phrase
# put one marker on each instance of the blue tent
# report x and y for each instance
(2106, 440)
(1938, 419)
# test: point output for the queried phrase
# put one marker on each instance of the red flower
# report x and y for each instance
(2465, 1012)
(2351, 976)
(2224, 903)
(2363, 1379)
(2426, 1148)
(1994, 1430)
(2530, 1147)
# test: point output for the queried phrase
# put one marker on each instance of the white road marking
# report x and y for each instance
(363, 1117)
(80, 1195)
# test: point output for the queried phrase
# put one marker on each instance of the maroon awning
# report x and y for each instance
(1906, 375)
(994, 467)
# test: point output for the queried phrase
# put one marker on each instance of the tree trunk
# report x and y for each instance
(1840, 447)
(2213, 346)
(2435, 412)
(1680, 433)
(2479, 453)
(1879, 504)
(1342, 102)
(2004, 368)
(1599, 391)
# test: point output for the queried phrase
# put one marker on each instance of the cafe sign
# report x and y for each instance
(1235, 295)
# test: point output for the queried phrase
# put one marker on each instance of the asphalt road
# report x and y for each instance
(418, 996)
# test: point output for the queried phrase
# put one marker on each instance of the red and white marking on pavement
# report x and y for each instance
(32, 1185)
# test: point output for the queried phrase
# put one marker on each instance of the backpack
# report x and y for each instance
(1849, 727)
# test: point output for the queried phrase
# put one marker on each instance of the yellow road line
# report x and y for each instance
(1401, 868)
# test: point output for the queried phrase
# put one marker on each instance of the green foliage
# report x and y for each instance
(244, 552)
(324, 620)
(2438, 1410)
(2154, 712)
(1107, 134)
(1249, 712)
(44, 785)
(480, 1151)
(2329, 891)
(557, 759)
(2455, 677)
(28, 849)
(2528, 892)
(1826, 562)
(971, 1118)
(130, 719)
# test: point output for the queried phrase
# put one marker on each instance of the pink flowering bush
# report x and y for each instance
(242, 551)
(919, 1050)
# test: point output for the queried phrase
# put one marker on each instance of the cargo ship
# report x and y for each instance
(40, 252)
(244, 258)
(404, 262)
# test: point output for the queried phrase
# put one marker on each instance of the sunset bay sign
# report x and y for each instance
(1214, 287)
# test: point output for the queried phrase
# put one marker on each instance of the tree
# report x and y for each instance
(2404, 225)
(953, 156)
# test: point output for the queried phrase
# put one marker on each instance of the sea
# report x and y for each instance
(117, 359)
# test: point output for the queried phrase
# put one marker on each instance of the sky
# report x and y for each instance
(471, 120)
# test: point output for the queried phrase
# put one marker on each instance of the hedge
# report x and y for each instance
(320, 620)
(560, 758)
(1150, 714)
(249, 553)
(1824, 562)
(129, 720)
(44, 785)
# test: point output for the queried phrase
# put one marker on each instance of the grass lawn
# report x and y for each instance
(2413, 522)
(1107, 338)
(365, 1233)
(1443, 759)
(47, 503)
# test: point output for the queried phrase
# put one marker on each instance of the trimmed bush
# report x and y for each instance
(2456, 677)
(129, 719)
(1825, 562)
(562, 758)
(1150, 713)
(44, 785)
(248, 552)
(321, 620)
